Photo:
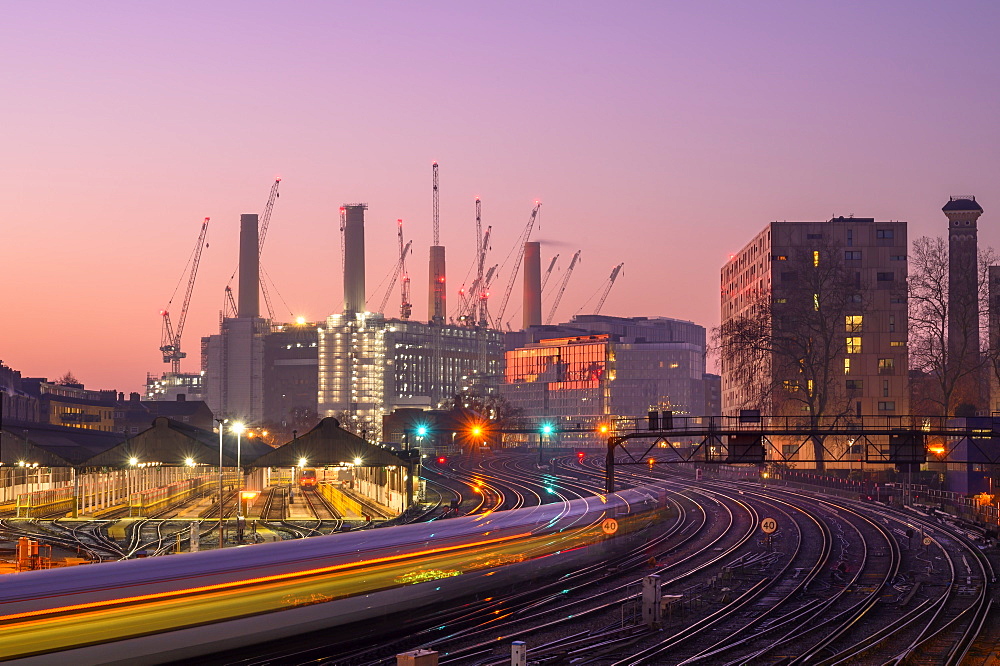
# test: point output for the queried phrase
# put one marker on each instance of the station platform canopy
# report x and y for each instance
(328, 445)
(171, 443)
(44, 445)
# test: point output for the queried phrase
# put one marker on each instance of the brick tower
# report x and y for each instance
(963, 300)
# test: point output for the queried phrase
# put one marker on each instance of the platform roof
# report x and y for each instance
(329, 444)
(52, 445)
(171, 443)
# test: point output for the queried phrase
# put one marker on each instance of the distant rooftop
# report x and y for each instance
(964, 202)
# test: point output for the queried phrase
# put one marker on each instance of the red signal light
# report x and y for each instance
(580, 454)
(441, 460)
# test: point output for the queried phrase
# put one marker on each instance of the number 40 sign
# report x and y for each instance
(769, 525)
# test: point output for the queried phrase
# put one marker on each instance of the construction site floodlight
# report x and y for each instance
(358, 461)
(189, 462)
(237, 427)
(133, 461)
(302, 462)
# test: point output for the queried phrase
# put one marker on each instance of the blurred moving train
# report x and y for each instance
(165, 609)
(307, 478)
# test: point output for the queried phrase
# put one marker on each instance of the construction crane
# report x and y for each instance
(399, 273)
(471, 309)
(548, 273)
(405, 305)
(611, 281)
(436, 213)
(170, 340)
(265, 221)
(562, 287)
(519, 249)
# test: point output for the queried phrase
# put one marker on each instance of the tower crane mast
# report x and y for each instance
(170, 340)
(607, 290)
(265, 221)
(525, 235)
(405, 305)
(436, 212)
(562, 288)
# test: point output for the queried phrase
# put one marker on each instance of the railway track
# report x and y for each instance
(840, 583)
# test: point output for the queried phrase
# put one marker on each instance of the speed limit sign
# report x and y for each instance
(610, 526)
(769, 525)
(927, 541)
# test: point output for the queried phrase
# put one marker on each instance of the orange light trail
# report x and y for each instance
(252, 581)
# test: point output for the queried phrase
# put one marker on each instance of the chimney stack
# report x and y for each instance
(354, 257)
(249, 304)
(532, 284)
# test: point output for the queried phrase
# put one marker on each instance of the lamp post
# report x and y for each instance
(222, 425)
(238, 428)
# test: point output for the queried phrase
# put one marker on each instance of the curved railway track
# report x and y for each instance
(839, 584)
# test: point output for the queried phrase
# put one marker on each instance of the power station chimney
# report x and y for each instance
(249, 305)
(353, 221)
(437, 301)
(532, 284)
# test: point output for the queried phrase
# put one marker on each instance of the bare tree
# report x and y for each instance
(786, 354)
(68, 379)
(951, 372)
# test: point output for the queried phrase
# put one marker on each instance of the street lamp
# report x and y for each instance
(222, 424)
(238, 428)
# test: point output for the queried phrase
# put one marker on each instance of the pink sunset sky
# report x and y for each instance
(661, 134)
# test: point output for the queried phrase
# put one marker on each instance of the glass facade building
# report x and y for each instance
(612, 372)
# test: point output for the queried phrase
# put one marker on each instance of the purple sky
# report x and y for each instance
(660, 134)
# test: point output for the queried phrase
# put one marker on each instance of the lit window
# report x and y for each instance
(897, 343)
(790, 386)
(853, 323)
(816, 302)
(815, 257)
(854, 344)
(886, 366)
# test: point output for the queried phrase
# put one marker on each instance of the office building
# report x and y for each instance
(599, 369)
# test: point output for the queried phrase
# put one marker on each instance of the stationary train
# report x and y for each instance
(307, 478)
(165, 609)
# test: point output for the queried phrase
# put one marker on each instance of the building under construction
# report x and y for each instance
(370, 364)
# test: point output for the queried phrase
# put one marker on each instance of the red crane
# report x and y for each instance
(170, 340)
